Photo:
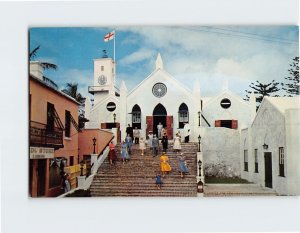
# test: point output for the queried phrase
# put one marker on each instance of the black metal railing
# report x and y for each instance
(40, 136)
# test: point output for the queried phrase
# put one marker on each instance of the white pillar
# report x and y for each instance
(115, 132)
(81, 181)
(123, 109)
(292, 151)
(94, 163)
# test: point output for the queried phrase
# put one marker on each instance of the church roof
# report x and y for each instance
(284, 103)
(157, 71)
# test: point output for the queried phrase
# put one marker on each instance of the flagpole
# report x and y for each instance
(115, 55)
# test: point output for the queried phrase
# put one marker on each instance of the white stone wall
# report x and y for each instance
(100, 114)
(271, 127)
(239, 110)
(220, 147)
(292, 125)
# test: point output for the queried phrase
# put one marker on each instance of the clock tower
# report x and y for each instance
(104, 78)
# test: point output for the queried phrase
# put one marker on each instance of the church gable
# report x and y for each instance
(169, 84)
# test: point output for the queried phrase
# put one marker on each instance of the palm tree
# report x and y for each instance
(72, 90)
(45, 65)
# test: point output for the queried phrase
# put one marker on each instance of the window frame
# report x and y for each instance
(281, 161)
(255, 160)
(246, 160)
(67, 124)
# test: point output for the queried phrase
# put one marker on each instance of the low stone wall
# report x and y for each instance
(221, 147)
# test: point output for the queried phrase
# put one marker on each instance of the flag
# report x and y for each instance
(109, 36)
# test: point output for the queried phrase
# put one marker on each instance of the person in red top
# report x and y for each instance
(112, 153)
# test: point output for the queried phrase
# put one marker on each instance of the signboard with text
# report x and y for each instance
(41, 153)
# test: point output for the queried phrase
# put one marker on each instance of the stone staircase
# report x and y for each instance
(137, 177)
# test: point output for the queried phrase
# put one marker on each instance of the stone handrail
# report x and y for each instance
(98, 161)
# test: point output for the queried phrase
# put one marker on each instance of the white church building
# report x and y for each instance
(230, 129)
(160, 98)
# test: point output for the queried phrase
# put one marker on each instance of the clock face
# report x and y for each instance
(102, 79)
(159, 90)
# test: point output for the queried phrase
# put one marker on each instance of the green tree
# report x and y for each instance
(260, 90)
(45, 65)
(292, 88)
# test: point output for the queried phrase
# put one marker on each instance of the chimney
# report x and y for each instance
(36, 69)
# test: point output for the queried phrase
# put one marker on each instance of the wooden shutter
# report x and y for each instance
(234, 124)
(149, 122)
(218, 123)
(103, 125)
(170, 127)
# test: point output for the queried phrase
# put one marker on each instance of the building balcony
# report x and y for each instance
(93, 89)
(42, 136)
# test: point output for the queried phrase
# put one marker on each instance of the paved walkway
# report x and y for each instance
(217, 190)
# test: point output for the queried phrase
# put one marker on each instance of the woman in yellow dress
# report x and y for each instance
(164, 164)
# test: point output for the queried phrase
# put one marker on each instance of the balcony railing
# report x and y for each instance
(41, 136)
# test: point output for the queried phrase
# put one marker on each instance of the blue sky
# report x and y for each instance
(212, 54)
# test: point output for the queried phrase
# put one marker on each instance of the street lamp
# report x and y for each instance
(199, 141)
(199, 117)
(94, 144)
(265, 146)
(81, 168)
(114, 117)
(200, 186)
(199, 166)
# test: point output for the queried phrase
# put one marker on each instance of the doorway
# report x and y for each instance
(268, 169)
(41, 169)
(159, 116)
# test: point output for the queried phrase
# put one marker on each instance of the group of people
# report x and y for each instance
(166, 168)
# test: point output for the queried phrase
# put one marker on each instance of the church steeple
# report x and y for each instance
(159, 63)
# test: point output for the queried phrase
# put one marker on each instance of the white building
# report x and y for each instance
(160, 98)
(270, 146)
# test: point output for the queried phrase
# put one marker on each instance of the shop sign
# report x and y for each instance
(41, 153)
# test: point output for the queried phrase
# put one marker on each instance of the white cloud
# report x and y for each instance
(138, 56)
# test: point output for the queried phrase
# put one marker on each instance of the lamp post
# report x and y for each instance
(199, 118)
(199, 166)
(265, 146)
(81, 168)
(200, 186)
(94, 144)
(114, 117)
(199, 141)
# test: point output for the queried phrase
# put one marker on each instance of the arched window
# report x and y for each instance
(136, 116)
(159, 110)
(183, 115)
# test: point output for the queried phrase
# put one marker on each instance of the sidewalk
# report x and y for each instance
(222, 190)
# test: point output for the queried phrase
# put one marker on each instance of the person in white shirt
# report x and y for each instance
(186, 132)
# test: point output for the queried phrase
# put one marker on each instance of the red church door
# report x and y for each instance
(149, 122)
(170, 127)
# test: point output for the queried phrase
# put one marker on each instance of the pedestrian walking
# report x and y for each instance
(65, 183)
(136, 135)
(112, 153)
(177, 145)
(182, 165)
(164, 164)
(124, 152)
(159, 129)
(128, 141)
(129, 131)
(155, 144)
(163, 131)
(164, 142)
(158, 181)
(186, 132)
(142, 145)
(150, 139)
